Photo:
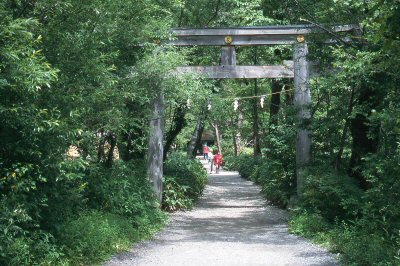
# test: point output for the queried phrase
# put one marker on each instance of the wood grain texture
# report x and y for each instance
(156, 146)
(228, 55)
(245, 36)
(239, 72)
(260, 30)
(302, 102)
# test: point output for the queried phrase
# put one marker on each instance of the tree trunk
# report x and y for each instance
(238, 136)
(178, 124)
(155, 152)
(344, 132)
(100, 150)
(196, 136)
(365, 136)
(275, 102)
(215, 126)
(256, 134)
(112, 141)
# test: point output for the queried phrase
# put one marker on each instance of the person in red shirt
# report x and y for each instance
(205, 152)
(218, 162)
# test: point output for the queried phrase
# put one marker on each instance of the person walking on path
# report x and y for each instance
(218, 160)
(211, 160)
(205, 152)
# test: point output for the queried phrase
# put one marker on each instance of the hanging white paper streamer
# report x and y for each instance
(262, 101)
(235, 104)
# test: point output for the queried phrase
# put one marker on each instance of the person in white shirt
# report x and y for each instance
(211, 160)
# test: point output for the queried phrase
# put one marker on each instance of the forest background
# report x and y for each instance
(83, 74)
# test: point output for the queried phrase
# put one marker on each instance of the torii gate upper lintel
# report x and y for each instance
(228, 38)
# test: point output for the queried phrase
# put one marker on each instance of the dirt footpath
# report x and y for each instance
(231, 225)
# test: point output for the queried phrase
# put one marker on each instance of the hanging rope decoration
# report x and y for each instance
(262, 101)
(235, 104)
(236, 99)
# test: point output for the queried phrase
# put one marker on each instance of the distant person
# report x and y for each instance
(206, 150)
(211, 160)
(218, 160)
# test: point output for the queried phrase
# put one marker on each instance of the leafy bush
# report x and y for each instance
(277, 181)
(361, 225)
(360, 247)
(34, 249)
(309, 224)
(185, 180)
(175, 196)
(187, 172)
(124, 190)
(230, 162)
(332, 195)
(244, 164)
(356, 245)
(95, 235)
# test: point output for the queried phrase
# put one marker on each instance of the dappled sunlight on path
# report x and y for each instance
(230, 225)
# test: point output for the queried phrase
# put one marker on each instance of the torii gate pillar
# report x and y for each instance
(302, 101)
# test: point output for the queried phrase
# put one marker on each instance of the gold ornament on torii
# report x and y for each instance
(228, 39)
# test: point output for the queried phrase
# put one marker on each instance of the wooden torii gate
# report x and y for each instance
(228, 39)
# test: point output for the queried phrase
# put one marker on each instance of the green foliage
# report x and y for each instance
(244, 164)
(333, 196)
(175, 196)
(187, 172)
(310, 224)
(360, 247)
(93, 236)
(362, 226)
(37, 249)
(124, 190)
(277, 181)
(356, 245)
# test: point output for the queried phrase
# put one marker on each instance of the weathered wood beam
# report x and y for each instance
(236, 40)
(249, 36)
(239, 72)
(302, 102)
(228, 55)
(156, 148)
(262, 30)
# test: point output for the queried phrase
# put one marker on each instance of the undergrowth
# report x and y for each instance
(363, 226)
(184, 182)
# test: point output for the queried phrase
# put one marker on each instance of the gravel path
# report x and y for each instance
(231, 225)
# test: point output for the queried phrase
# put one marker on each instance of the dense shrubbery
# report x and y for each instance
(330, 194)
(352, 239)
(184, 182)
(244, 164)
(95, 235)
(361, 225)
(91, 211)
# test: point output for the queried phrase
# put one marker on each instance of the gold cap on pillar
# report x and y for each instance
(300, 38)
